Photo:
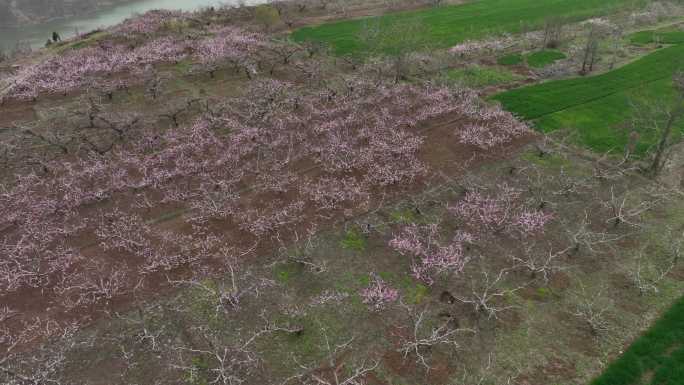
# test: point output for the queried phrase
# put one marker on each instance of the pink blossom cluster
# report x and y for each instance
(148, 23)
(491, 126)
(379, 294)
(503, 211)
(292, 156)
(91, 66)
(94, 67)
(476, 47)
(332, 193)
(430, 256)
(230, 46)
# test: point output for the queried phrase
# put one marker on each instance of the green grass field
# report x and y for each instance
(656, 358)
(449, 25)
(598, 107)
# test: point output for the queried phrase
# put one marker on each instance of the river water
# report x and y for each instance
(37, 34)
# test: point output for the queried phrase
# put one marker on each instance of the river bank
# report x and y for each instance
(36, 35)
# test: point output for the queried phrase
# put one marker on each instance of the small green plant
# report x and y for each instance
(354, 240)
(286, 271)
(403, 216)
(544, 292)
(549, 161)
(414, 293)
(197, 373)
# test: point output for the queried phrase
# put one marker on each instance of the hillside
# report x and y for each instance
(326, 192)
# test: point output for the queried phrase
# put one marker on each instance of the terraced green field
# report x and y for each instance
(449, 25)
(656, 358)
(598, 107)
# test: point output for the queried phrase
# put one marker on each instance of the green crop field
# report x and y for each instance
(450, 25)
(598, 107)
(546, 98)
(656, 358)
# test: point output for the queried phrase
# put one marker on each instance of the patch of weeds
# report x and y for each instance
(387, 276)
(198, 372)
(549, 161)
(354, 240)
(403, 216)
(285, 272)
(351, 283)
(307, 346)
(544, 293)
(414, 293)
(364, 280)
(203, 304)
(184, 66)
(510, 60)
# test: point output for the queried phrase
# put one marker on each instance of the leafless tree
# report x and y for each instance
(624, 212)
(553, 32)
(420, 338)
(486, 294)
(591, 308)
(540, 264)
(646, 273)
(597, 31)
(582, 237)
(335, 372)
(229, 362)
(660, 117)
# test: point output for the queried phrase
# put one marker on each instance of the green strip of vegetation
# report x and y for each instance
(449, 25)
(656, 358)
(598, 109)
(660, 36)
(604, 124)
(543, 99)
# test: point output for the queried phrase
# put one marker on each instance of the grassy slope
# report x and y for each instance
(598, 106)
(450, 25)
(658, 354)
(536, 101)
